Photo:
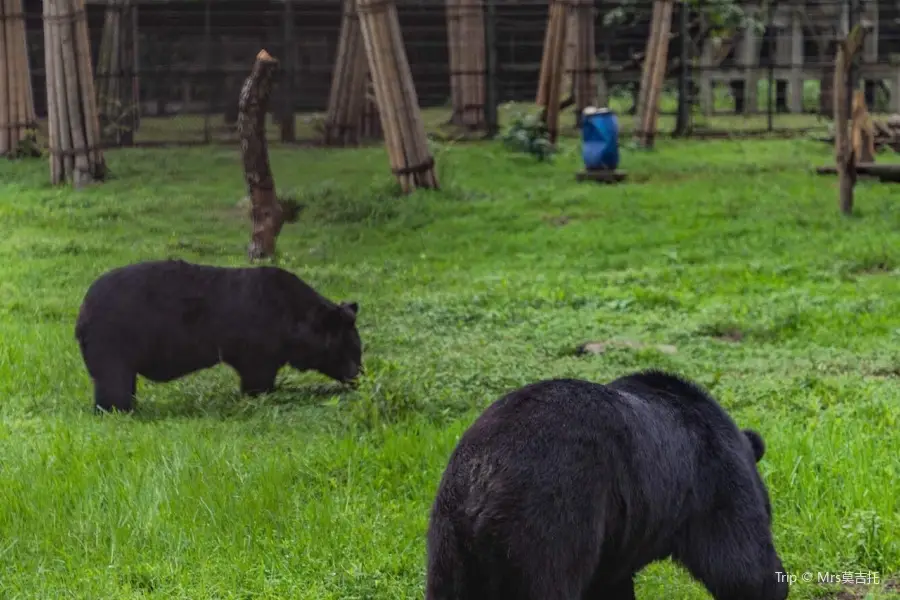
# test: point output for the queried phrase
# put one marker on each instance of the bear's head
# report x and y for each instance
(329, 342)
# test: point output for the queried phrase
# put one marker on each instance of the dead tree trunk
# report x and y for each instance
(266, 211)
(843, 152)
(17, 118)
(74, 128)
(116, 75)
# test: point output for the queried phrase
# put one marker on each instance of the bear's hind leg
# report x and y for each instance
(548, 560)
(734, 559)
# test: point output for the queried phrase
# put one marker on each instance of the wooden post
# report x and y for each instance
(266, 211)
(117, 97)
(647, 72)
(490, 75)
(207, 67)
(288, 124)
(17, 118)
(75, 152)
(552, 67)
(465, 37)
(584, 77)
(454, 53)
(844, 155)
(347, 102)
(655, 73)
(398, 104)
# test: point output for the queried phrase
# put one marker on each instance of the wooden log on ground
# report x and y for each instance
(17, 117)
(843, 151)
(266, 211)
(75, 153)
(398, 104)
(882, 172)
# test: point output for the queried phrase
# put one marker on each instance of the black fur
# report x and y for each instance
(165, 319)
(565, 489)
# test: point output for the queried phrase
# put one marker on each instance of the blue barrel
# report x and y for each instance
(599, 139)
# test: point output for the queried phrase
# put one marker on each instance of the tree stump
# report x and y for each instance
(266, 211)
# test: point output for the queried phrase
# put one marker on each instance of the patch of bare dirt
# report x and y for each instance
(602, 347)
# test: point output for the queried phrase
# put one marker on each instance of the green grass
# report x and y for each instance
(309, 127)
(732, 252)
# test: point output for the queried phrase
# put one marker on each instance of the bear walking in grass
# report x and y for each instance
(165, 319)
(565, 489)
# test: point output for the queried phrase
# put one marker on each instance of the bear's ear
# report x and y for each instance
(757, 443)
(352, 307)
(337, 316)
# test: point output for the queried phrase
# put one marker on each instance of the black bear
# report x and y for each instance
(165, 319)
(565, 489)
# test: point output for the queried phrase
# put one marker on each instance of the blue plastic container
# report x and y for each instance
(599, 139)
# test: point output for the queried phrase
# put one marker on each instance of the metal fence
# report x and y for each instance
(773, 74)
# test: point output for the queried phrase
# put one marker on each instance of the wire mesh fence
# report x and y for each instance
(735, 69)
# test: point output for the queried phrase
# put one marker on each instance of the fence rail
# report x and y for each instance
(193, 55)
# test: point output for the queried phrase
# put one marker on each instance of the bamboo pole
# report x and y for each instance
(17, 117)
(454, 49)
(6, 78)
(398, 104)
(584, 79)
(546, 69)
(74, 149)
(647, 70)
(88, 92)
(338, 126)
(659, 73)
(551, 84)
(471, 63)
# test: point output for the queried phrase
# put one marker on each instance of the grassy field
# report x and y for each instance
(724, 261)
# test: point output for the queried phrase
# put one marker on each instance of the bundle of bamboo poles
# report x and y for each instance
(370, 122)
(553, 66)
(465, 36)
(654, 74)
(116, 74)
(398, 104)
(348, 82)
(73, 125)
(584, 61)
(17, 118)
